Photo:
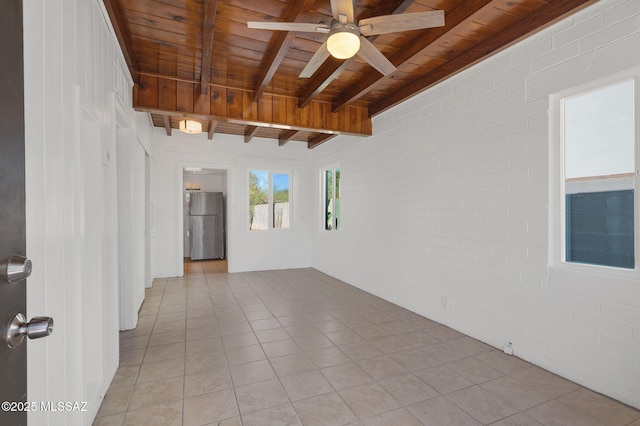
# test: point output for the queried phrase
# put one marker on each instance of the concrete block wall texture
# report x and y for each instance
(451, 200)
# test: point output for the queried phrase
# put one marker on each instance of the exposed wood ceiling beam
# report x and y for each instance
(331, 69)
(453, 18)
(319, 140)
(282, 140)
(167, 124)
(168, 96)
(499, 41)
(116, 17)
(207, 43)
(212, 129)
(297, 13)
(250, 133)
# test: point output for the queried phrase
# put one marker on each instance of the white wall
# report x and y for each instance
(246, 251)
(75, 82)
(450, 199)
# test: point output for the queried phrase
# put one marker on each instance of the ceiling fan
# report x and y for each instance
(348, 38)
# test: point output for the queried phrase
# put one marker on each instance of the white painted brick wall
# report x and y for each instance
(450, 197)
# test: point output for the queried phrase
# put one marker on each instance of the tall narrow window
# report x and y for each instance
(269, 200)
(331, 201)
(280, 200)
(599, 176)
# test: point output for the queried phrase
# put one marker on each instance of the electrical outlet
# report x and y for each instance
(508, 349)
(444, 302)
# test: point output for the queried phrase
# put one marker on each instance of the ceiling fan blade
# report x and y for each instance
(374, 57)
(289, 26)
(316, 60)
(342, 7)
(402, 22)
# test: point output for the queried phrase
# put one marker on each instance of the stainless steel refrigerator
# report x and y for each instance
(206, 225)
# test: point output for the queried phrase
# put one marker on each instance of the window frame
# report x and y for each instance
(270, 215)
(557, 204)
(323, 197)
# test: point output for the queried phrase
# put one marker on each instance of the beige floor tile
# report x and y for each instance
(272, 335)
(391, 344)
(396, 417)
(164, 327)
(344, 337)
(158, 339)
(554, 413)
(328, 357)
(324, 410)
(203, 346)
(112, 420)
(346, 375)
(162, 352)
(397, 327)
(282, 415)
(244, 354)
(164, 414)
(305, 385)
(372, 332)
(214, 380)
(360, 350)
(202, 363)
(264, 324)
(519, 419)
(125, 376)
(444, 333)
(599, 407)
(418, 338)
(443, 379)
(368, 400)
(506, 363)
(544, 382)
(260, 396)
(156, 370)
(234, 328)
(481, 404)
(408, 389)
(314, 334)
(251, 372)
(136, 342)
(515, 393)
(381, 367)
(258, 314)
(413, 360)
(134, 357)
(475, 370)
(439, 412)
(210, 408)
(281, 348)
(115, 401)
(156, 392)
(313, 342)
(331, 325)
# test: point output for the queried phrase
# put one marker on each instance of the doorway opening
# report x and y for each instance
(204, 219)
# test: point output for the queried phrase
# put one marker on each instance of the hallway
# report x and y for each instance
(299, 347)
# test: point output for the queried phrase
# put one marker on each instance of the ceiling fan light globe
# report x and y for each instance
(343, 44)
(190, 126)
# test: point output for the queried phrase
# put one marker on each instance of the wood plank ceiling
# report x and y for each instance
(197, 59)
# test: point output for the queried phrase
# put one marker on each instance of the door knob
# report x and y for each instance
(18, 328)
(15, 268)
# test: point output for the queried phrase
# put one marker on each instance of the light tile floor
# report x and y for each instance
(298, 347)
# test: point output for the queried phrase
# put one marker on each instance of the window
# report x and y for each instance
(599, 179)
(331, 199)
(269, 200)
